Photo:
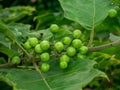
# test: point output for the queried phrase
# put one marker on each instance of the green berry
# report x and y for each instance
(71, 51)
(16, 60)
(65, 58)
(80, 56)
(44, 45)
(54, 28)
(59, 46)
(112, 13)
(76, 43)
(45, 67)
(77, 33)
(33, 41)
(27, 45)
(66, 40)
(45, 56)
(63, 64)
(38, 49)
(83, 49)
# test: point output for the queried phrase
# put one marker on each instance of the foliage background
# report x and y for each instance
(47, 12)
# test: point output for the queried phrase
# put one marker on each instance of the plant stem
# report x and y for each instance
(97, 48)
(37, 69)
(26, 67)
(7, 65)
(93, 27)
(23, 49)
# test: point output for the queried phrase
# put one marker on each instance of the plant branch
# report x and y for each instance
(39, 71)
(97, 48)
(7, 65)
(93, 27)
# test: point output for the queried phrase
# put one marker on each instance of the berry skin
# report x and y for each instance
(63, 64)
(16, 60)
(65, 58)
(66, 40)
(33, 41)
(71, 51)
(77, 33)
(44, 45)
(38, 49)
(59, 46)
(45, 67)
(54, 28)
(83, 49)
(45, 56)
(76, 43)
(80, 56)
(27, 45)
(112, 13)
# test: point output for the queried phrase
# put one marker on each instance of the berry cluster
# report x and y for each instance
(62, 50)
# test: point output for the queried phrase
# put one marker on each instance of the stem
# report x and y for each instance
(93, 27)
(23, 49)
(7, 65)
(37, 69)
(97, 48)
(26, 67)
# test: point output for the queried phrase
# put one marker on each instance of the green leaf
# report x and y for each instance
(88, 13)
(77, 75)
(114, 37)
(20, 30)
(13, 14)
(62, 33)
(6, 31)
(4, 40)
(117, 2)
(45, 34)
(10, 53)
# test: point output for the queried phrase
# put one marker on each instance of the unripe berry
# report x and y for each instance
(112, 13)
(83, 49)
(77, 33)
(71, 51)
(54, 28)
(27, 45)
(16, 60)
(44, 45)
(38, 49)
(33, 41)
(66, 40)
(59, 46)
(76, 43)
(65, 58)
(63, 64)
(45, 56)
(45, 67)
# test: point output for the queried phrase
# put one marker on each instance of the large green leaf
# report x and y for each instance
(77, 75)
(88, 13)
